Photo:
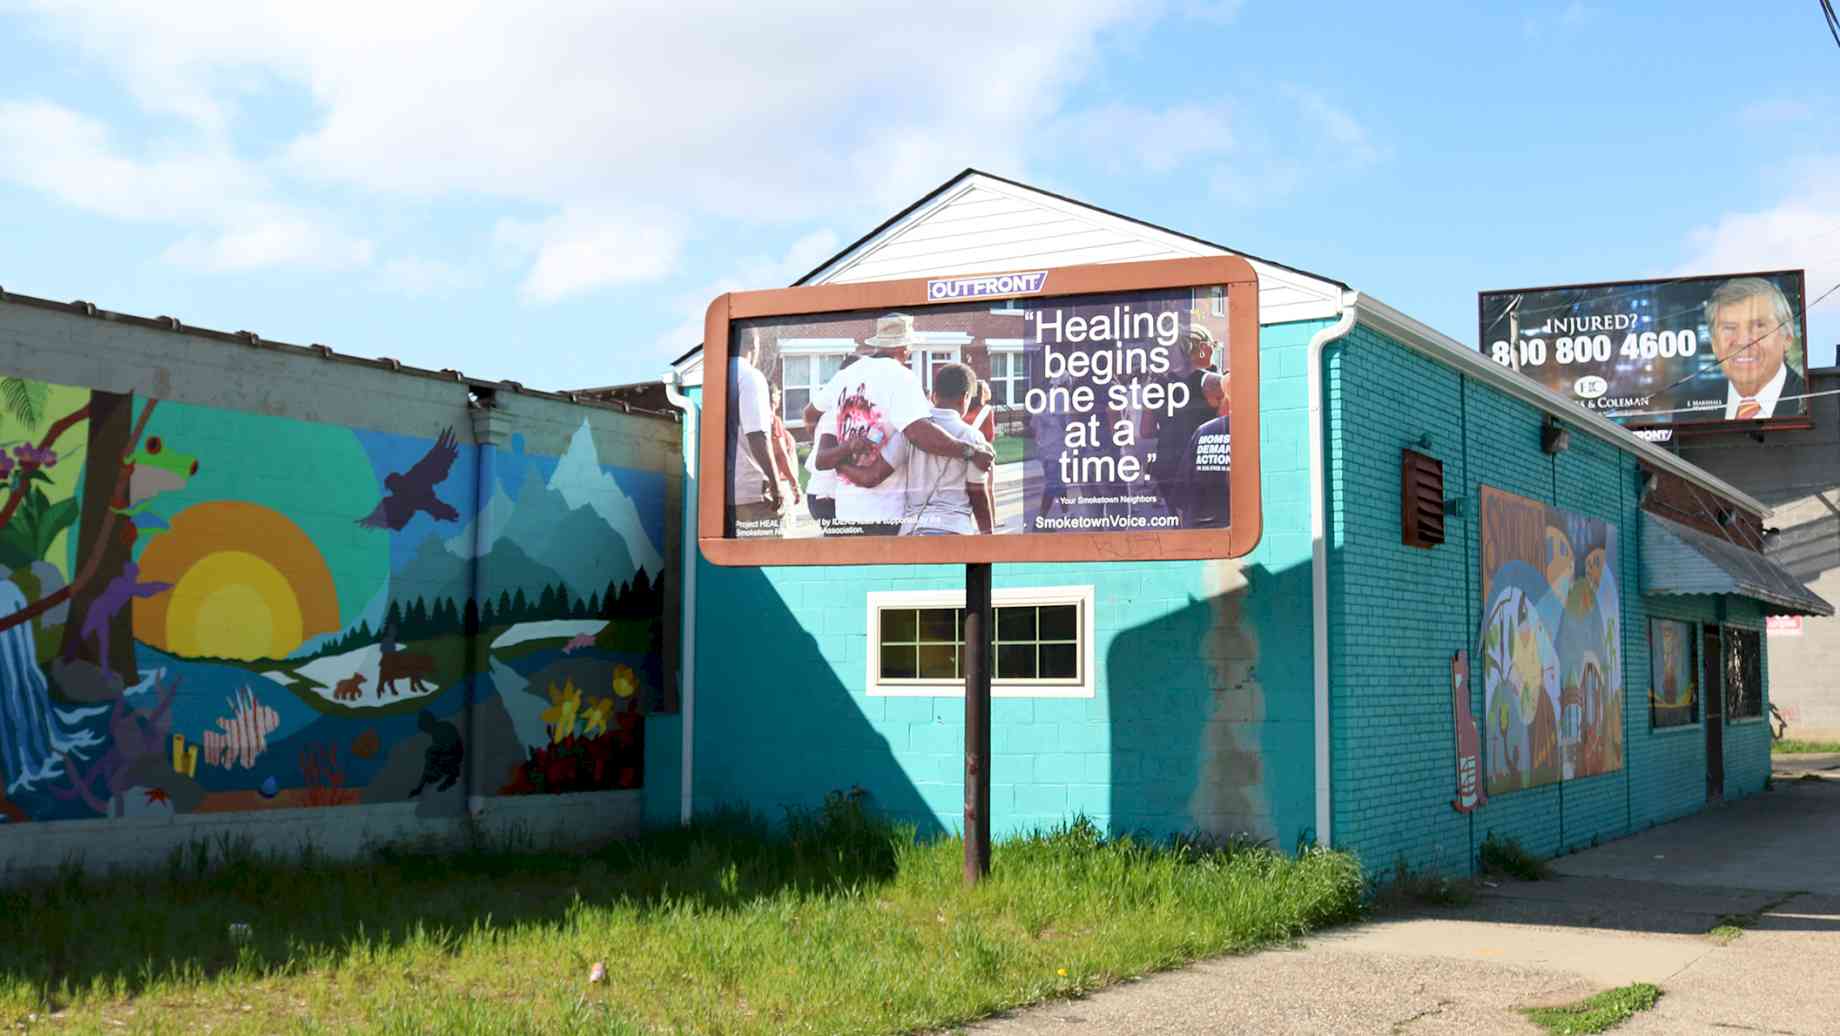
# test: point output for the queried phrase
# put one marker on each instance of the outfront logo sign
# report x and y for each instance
(987, 286)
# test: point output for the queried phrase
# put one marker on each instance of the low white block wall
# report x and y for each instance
(35, 851)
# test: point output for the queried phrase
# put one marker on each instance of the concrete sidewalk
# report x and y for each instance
(1635, 910)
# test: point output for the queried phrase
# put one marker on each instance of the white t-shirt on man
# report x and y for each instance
(935, 493)
(747, 392)
(877, 396)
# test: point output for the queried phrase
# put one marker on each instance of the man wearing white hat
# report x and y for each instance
(879, 402)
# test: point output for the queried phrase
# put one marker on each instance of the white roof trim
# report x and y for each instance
(1430, 342)
(1327, 292)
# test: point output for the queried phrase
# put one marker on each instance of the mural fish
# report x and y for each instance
(242, 736)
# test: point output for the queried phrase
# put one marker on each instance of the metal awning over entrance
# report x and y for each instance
(1681, 560)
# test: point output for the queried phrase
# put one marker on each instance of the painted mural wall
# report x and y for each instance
(1550, 644)
(210, 610)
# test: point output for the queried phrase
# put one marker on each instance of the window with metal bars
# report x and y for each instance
(1743, 674)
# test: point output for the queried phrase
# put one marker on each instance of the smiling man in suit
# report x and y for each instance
(1754, 337)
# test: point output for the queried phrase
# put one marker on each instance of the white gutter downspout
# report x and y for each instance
(1319, 559)
(687, 641)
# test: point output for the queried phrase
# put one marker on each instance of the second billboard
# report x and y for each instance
(1687, 351)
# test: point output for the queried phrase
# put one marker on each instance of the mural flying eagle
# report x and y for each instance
(413, 490)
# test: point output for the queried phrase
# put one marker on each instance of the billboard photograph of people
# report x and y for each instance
(1087, 413)
(1696, 350)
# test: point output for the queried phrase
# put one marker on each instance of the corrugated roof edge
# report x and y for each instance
(324, 352)
(973, 171)
(1428, 341)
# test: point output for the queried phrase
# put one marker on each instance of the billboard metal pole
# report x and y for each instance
(978, 619)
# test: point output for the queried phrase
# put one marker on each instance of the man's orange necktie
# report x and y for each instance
(1748, 409)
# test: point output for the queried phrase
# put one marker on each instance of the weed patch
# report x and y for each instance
(1792, 746)
(1599, 1013)
(1422, 888)
(834, 922)
(1505, 856)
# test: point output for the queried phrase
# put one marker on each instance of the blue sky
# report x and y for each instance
(554, 196)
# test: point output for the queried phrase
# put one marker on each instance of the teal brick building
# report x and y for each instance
(1301, 693)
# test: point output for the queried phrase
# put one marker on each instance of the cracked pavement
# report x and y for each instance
(1637, 909)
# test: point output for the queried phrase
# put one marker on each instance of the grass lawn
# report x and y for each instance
(840, 925)
(1790, 746)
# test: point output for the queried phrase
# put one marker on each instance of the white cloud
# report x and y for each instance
(1775, 111)
(1117, 137)
(282, 242)
(585, 248)
(1801, 230)
(590, 114)
(241, 226)
(416, 275)
(1346, 135)
(748, 273)
(1278, 150)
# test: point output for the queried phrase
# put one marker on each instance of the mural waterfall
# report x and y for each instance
(210, 610)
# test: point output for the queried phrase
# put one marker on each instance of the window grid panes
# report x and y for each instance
(1009, 378)
(801, 375)
(1033, 644)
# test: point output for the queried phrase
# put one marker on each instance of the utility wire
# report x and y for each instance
(1833, 20)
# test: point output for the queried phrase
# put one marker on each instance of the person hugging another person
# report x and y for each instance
(821, 466)
(943, 495)
(983, 417)
(882, 410)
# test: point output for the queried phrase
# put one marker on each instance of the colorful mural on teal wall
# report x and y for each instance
(1551, 644)
(209, 610)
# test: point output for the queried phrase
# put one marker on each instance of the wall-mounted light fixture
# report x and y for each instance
(1554, 438)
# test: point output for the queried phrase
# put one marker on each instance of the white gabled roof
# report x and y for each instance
(978, 222)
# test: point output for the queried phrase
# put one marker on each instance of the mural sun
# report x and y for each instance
(247, 584)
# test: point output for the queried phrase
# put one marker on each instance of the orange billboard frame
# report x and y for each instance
(1232, 273)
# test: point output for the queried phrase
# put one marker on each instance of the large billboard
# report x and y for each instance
(1668, 354)
(1084, 413)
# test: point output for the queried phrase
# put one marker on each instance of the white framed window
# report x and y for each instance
(1217, 296)
(805, 365)
(1008, 306)
(1043, 644)
(1009, 371)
